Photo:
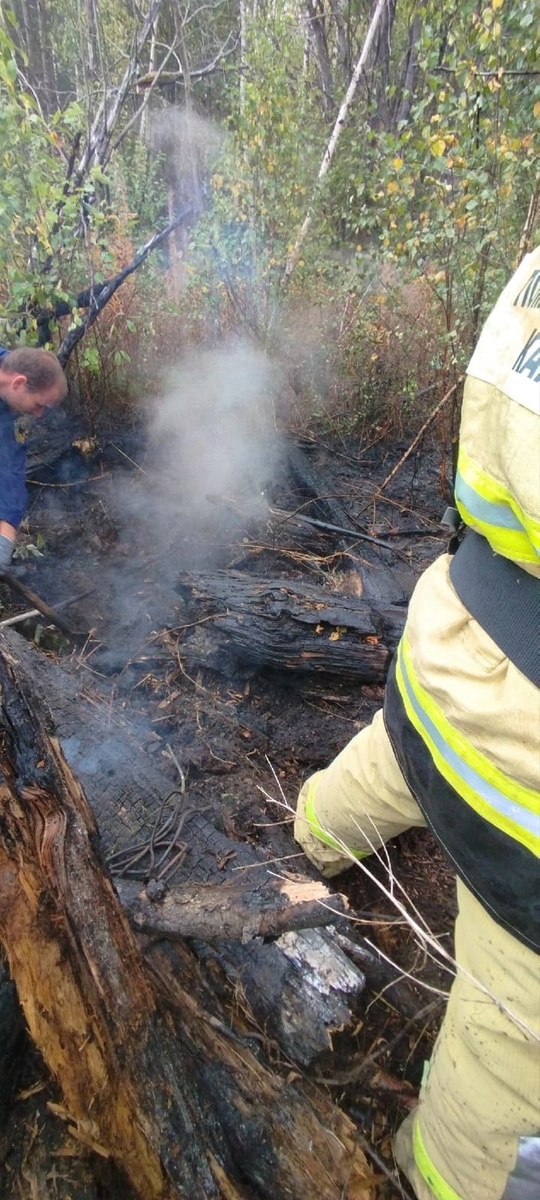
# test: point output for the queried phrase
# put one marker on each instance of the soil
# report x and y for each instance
(106, 521)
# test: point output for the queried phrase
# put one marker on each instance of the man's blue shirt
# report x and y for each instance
(13, 493)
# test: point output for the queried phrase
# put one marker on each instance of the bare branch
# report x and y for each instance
(97, 303)
(98, 147)
(151, 79)
(157, 76)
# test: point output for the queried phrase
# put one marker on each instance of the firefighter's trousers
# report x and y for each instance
(476, 1132)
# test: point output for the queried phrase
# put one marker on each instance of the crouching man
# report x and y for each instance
(31, 381)
(456, 747)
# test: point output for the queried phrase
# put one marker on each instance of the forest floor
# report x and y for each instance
(246, 741)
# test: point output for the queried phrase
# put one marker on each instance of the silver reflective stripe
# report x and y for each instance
(497, 800)
(524, 1182)
(486, 510)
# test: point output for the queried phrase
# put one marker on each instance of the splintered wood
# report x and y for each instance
(149, 1071)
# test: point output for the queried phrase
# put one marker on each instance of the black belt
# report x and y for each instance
(503, 598)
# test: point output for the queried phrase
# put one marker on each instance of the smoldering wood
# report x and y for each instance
(286, 625)
(230, 911)
(164, 1086)
(78, 972)
(300, 1002)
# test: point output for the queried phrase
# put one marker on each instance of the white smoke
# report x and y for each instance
(212, 433)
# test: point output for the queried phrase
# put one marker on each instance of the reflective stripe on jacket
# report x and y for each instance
(498, 477)
(486, 822)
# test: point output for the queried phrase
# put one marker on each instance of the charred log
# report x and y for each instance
(308, 489)
(229, 911)
(160, 1085)
(287, 625)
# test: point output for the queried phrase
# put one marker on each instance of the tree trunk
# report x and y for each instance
(317, 32)
(376, 19)
(165, 1087)
(406, 99)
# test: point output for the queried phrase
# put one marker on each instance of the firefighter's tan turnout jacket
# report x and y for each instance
(457, 747)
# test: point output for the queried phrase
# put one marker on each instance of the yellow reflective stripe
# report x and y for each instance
(440, 1188)
(458, 762)
(507, 542)
(321, 834)
(487, 516)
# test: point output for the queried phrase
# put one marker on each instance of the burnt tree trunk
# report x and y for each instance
(186, 1109)
(299, 1004)
(286, 625)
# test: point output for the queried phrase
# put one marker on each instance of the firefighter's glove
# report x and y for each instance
(6, 550)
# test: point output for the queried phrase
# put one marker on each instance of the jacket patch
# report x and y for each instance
(21, 429)
(529, 296)
(528, 361)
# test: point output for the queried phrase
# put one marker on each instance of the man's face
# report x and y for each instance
(14, 390)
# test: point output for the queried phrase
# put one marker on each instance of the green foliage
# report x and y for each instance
(262, 182)
(429, 187)
(446, 193)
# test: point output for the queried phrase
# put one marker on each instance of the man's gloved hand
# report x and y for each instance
(6, 550)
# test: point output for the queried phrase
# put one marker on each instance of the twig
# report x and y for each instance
(532, 213)
(426, 531)
(130, 460)
(417, 439)
(75, 483)
(51, 614)
(25, 616)
(353, 533)
(386, 1170)
(357, 1071)
(178, 768)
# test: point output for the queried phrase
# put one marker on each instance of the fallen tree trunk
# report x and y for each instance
(169, 1091)
(286, 625)
(80, 977)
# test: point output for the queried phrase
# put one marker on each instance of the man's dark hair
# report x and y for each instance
(41, 368)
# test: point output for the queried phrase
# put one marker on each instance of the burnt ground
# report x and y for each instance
(106, 520)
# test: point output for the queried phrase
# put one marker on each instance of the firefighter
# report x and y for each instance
(456, 747)
(31, 381)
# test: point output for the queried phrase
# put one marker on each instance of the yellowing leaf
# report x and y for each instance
(337, 633)
(397, 163)
(497, 4)
(536, 109)
(438, 147)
